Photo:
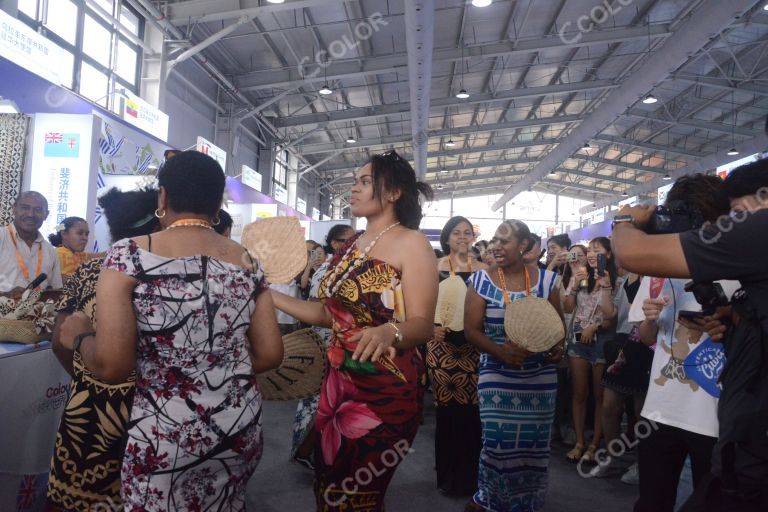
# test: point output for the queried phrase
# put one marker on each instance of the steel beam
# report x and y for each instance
(692, 35)
(709, 162)
(201, 11)
(397, 63)
(375, 112)
(310, 149)
(647, 146)
(419, 40)
(697, 124)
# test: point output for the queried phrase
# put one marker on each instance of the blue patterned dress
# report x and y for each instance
(517, 407)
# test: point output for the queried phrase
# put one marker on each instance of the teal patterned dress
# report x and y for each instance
(517, 407)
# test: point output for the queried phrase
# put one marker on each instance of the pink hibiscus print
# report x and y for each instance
(338, 416)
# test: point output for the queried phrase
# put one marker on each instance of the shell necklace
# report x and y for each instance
(332, 277)
(197, 223)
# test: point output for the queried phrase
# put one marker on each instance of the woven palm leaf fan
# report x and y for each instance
(278, 244)
(301, 372)
(450, 303)
(532, 322)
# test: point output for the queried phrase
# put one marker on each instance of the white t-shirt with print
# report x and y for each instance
(673, 398)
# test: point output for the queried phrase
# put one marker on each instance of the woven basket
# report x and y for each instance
(20, 331)
(533, 324)
(301, 372)
(450, 303)
(278, 244)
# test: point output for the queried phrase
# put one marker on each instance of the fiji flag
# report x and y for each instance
(65, 145)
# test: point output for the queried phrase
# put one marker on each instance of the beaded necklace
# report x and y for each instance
(332, 277)
(196, 223)
(450, 263)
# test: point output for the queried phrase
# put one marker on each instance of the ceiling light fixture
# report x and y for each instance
(586, 146)
(450, 143)
(275, 1)
(650, 99)
(624, 194)
(481, 3)
(733, 152)
(462, 94)
(325, 90)
(552, 173)
(667, 177)
(351, 139)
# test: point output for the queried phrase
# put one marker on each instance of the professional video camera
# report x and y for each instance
(674, 217)
(709, 295)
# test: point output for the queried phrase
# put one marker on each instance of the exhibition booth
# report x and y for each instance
(71, 150)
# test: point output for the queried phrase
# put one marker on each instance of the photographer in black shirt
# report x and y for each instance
(735, 248)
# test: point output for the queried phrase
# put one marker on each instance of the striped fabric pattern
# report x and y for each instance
(517, 408)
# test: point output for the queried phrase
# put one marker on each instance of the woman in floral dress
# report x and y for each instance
(378, 297)
(186, 309)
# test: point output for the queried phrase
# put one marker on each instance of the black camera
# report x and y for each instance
(674, 217)
(710, 295)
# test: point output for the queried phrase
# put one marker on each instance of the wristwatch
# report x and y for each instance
(620, 219)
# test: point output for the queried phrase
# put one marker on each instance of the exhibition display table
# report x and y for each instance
(34, 390)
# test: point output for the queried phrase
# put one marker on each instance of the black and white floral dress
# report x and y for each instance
(194, 434)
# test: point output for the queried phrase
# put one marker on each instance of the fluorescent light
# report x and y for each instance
(462, 94)
(325, 90)
(667, 177)
(450, 143)
(481, 3)
(733, 151)
(351, 139)
(9, 107)
(650, 99)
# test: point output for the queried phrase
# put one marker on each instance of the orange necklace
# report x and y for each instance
(24, 270)
(190, 223)
(504, 285)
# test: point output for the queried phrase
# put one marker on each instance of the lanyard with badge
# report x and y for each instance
(22, 265)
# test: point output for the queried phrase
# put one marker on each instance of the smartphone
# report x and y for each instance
(690, 315)
(601, 262)
(573, 257)
(313, 254)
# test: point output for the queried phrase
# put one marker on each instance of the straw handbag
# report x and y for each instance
(278, 244)
(20, 331)
(301, 372)
(532, 322)
(450, 303)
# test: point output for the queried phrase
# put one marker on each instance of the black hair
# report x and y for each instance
(561, 240)
(746, 180)
(225, 222)
(703, 195)
(438, 253)
(568, 273)
(55, 238)
(610, 264)
(481, 243)
(334, 233)
(475, 252)
(130, 214)
(393, 173)
(445, 234)
(535, 239)
(33, 194)
(194, 183)
(522, 233)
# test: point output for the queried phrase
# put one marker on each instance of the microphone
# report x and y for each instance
(37, 281)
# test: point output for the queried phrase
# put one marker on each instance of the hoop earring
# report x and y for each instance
(215, 221)
(158, 214)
